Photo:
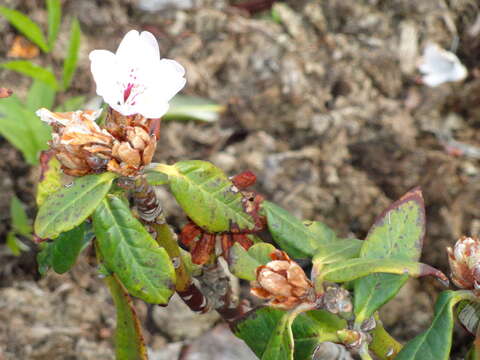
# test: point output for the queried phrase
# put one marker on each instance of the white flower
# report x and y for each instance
(439, 66)
(134, 80)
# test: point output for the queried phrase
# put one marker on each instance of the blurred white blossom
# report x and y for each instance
(439, 66)
(135, 80)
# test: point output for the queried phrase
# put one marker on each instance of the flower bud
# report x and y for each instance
(283, 282)
(464, 261)
(337, 300)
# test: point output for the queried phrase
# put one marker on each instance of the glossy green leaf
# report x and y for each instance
(396, 234)
(184, 107)
(207, 196)
(20, 222)
(435, 343)
(129, 251)
(72, 204)
(23, 129)
(26, 26)
(156, 178)
(353, 269)
(40, 95)
(28, 68)
(298, 239)
(67, 247)
(70, 62)
(309, 329)
(280, 345)
(50, 180)
(54, 8)
(44, 257)
(129, 342)
(339, 250)
(243, 263)
(15, 245)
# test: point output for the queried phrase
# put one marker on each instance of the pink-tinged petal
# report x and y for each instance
(104, 70)
(149, 40)
(135, 80)
(168, 79)
(128, 43)
(151, 107)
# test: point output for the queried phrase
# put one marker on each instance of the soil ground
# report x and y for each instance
(324, 105)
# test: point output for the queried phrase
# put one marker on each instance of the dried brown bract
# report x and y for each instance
(135, 141)
(464, 261)
(83, 147)
(80, 145)
(283, 282)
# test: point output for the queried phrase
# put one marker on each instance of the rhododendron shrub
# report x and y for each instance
(111, 203)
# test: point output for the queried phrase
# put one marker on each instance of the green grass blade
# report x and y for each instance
(26, 26)
(70, 63)
(34, 71)
(54, 8)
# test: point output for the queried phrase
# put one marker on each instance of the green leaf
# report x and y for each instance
(129, 342)
(15, 245)
(309, 329)
(72, 204)
(156, 178)
(435, 343)
(243, 263)
(71, 104)
(67, 247)
(298, 239)
(20, 222)
(40, 95)
(23, 129)
(28, 68)
(70, 62)
(184, 107)
(340, 250)
(128, 251)
(54, 8)
(280, 345)
(26, 26)
(353, 269)
(44, 257)
(396, 234)
(207, 196)
(50, 180)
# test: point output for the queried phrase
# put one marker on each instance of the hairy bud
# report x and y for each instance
(464, 261)
(283, 282)
(337, 300)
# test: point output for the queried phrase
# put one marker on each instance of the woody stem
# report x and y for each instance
(219, 288)
(151, 213)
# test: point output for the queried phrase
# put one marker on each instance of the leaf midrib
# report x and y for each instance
(222, 205)
(118, 248)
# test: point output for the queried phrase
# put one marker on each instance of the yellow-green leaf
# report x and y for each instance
(72, 204)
